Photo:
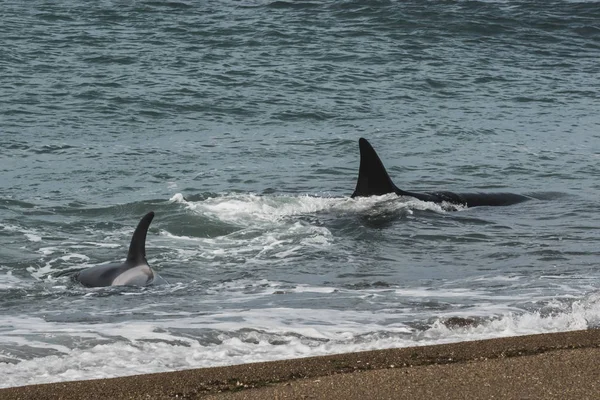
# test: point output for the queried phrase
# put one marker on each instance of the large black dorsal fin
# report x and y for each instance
(373, 179)
(137, 248)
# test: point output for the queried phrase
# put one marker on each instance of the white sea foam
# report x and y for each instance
(238, 323)
(46, 251)
(269, 225)
(31, 234)
(266, 231)
(252, 208)
(97, 244)
(249, 336)
(9, 281)
(39, 273)
(45, 272)
(33, 238)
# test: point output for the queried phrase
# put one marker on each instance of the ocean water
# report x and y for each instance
(237, 123)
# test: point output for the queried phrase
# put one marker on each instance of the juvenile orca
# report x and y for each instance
(373, 180)
(135, 271)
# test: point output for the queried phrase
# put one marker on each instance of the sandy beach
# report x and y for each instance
(548, 366)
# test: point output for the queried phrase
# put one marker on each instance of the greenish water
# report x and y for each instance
(237, 122)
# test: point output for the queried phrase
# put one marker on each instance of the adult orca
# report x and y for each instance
(373, 180)
(135, 271)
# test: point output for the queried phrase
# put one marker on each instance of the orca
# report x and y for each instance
(373, 180)
(135, 271)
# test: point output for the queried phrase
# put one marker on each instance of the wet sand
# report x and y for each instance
(550, 366)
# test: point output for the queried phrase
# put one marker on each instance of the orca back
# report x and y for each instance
(373, 180)
(134, 271)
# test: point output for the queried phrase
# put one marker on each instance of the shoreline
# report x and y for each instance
(338, 375)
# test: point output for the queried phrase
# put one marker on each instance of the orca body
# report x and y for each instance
(373, 180)
(135, 271)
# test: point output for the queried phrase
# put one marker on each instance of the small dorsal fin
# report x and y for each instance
(137, 248)
(373, 179)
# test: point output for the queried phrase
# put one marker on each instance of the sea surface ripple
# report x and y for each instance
(237, 123)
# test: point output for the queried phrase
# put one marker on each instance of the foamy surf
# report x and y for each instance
(252, 208)
(245, 336)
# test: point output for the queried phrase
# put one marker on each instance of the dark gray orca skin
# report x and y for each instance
(373, 180)
(134, 271)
